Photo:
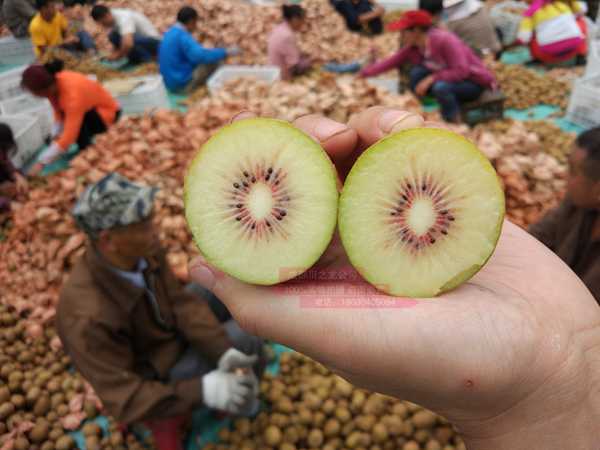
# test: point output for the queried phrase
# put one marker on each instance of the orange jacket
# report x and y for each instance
(77, 95)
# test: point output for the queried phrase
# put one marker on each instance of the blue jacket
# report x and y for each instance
(179, 54)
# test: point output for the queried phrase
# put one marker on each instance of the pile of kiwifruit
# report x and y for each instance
(308, 407)
(525, 88)
(36, 387)
(92, 66)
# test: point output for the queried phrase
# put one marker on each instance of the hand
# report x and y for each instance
(112, 56)
(21, 184)
(424, 85)
(36, 169)
(233, 51)
(509, 357)
(228, 391)
(234, 359)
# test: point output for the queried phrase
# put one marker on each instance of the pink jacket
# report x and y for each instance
(449, 58)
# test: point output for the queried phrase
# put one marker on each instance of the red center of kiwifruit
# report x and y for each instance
(274, 179)
(409, 192)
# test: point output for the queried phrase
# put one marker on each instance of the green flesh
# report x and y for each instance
(293, 207)
(454, 211)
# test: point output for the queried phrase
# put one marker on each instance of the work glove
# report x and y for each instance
(234, 359)
(233, 51)
(228, 391)
(50, 154)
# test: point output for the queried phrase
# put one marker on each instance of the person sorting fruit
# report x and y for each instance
(12, 182)
(152, 350)
(363, 16)
(50, 28)
(469, 20)
(185, 64)
(572, 230)
(442, 64)
(82, 107)
(283, 48)
(555, 30)
(510, 357)
(17, 16)
(132, 34)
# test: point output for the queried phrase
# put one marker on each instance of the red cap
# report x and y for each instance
(411, 19)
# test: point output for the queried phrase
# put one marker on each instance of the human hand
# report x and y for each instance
(36, 169)
(509, 357)
(424, 85)
(233, 51)
(21, 184)
(229, 391)
(234, 359)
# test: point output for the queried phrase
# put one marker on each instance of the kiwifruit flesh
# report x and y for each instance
(261, 200)
(421, 212)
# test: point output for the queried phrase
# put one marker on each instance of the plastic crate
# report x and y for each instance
(16, 51)
(28, 104)
(389, 84)
(507, 21)
(10, 83)
(151, 94)
(583, 107)
(398, 5)
(269, 74)
(28, 136)
(593, 58)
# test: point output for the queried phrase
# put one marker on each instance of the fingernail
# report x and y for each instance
(202, 275)
(393, 119)
(244, 114)
(327, 128)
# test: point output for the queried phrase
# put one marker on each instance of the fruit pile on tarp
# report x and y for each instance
(237, 22)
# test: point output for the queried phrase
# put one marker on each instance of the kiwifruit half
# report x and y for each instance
(421, 212)
(261, 200)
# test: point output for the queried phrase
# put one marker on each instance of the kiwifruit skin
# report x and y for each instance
(465, 275)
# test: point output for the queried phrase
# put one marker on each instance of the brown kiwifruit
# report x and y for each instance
(21, 443)
(39, 432)
(91, 429)
(62, 410)
(56, 433)
(90, 409)
(315, 438)
(65, 442)
(6, 409)
(4, 394)
(272, 436)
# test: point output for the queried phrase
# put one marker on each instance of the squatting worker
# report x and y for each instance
(12, 182)
(363, 16)
(572, 230)
(17, 16)
(185, 64)
(151, 349)
(50, 28)
(283, 48)
(132, 34)
(82, 107)
(441, 64)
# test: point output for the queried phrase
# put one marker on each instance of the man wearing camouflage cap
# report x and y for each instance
(152, 350)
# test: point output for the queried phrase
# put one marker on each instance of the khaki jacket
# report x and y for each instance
(125, 348)
(567, 232)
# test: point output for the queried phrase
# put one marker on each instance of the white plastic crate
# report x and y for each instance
(28, 104)
(10, 83)
(389, 84)
(151, 94)
(508, 21)
(398, 5)
(269, 74)
(28, 136)
(593, 58)
(583, 107)
(16, 51)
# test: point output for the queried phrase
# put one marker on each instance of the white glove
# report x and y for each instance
(233, 51)
(234, 359)
(57, 129)
(50, 154)
(227, 391)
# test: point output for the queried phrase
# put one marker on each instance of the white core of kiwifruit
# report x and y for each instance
(260, 201)
(311, 183)
(421, 216)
